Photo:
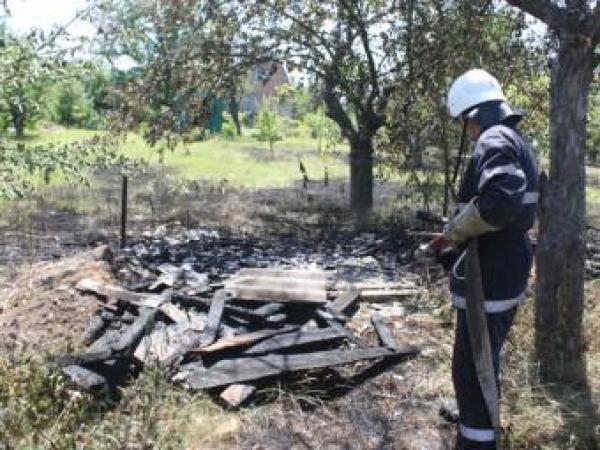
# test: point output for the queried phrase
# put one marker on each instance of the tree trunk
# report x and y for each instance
(561, 244)
(234, 110)
(361, 174)
(18, 120)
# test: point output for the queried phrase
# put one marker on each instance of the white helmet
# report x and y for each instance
(472, 88)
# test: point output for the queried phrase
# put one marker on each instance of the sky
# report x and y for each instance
(26, 14)
(45, 14)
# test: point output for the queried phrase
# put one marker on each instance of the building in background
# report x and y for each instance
(262, 85)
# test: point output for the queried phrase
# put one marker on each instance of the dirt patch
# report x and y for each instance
(39, 308)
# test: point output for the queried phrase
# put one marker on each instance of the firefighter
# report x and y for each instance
(497, 202)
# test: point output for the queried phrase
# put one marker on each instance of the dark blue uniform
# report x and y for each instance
(502, 179)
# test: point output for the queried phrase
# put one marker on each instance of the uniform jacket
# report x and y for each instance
(502, 177)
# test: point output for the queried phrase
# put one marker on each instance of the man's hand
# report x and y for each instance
(432, 248)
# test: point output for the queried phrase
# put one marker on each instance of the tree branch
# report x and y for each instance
(545, 10)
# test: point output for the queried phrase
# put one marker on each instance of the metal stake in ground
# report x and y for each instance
(123, 211)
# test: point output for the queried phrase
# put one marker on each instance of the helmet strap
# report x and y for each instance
(461, 151)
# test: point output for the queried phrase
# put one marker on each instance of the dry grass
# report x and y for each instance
(41, 311)
(551, 416)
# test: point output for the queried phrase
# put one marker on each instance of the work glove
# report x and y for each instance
(430, 250)
(447, 257)
(467, 224)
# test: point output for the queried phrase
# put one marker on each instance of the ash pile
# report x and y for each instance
(223, 311)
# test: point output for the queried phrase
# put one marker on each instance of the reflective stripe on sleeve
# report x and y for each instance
(491, 306)
(477, 434)
(507, 169)
(531, 198)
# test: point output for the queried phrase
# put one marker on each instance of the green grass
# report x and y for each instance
(243, 162)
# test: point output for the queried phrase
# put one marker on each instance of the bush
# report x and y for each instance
(72, 106)
(291, 127)
(322, 128)
(269, 127)
(228, 130)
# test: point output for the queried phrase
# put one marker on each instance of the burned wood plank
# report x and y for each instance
(343, 285)
(76, 359)
(260, 293)
(326, 313)
(240, 370)
(383, 294)
(84, 378)
(174, 313)
(161, 343)
(269, 309)
(287, 273)
(213, 321)
(243, 339)
(294, 339)
(330, 321)
(105, 342)
(110, 291)
(236, 394)
(168, 278)
(279, 283)
(132, 334)
(188, 341)
(94, 329)
(344, 301)
(383, 332)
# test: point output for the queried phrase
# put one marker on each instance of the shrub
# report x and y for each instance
(269, 127)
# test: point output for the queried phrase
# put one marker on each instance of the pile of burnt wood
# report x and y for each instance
(252, 324)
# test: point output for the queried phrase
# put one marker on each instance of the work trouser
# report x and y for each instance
(475, 427)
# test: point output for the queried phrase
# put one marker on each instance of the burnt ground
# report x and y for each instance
(360, 406)
(46, 251)
(346, 409)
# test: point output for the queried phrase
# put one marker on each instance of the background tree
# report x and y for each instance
(351, 48)
(24, 75)
(323, 129)
(443, 39)
(593, 144)
(184, 53)
(561, 243)
(268, 127)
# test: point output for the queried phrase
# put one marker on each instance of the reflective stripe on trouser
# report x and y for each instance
(475, 426)
(491, 306)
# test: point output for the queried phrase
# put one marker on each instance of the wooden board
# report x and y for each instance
(229, 371)
(294, 339)
(236, 394)
(243, 339)
(373, 294)
(131, 336)
(113, 292)
(75, 359)
(384, 333)
(279, 283)
(373, 285)
(269, 309)
(310, 274)
(94, 329)
(215, 313)
(259, 293)
(161, 344)
(175, 313)
(84, 378)
(344, 301)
